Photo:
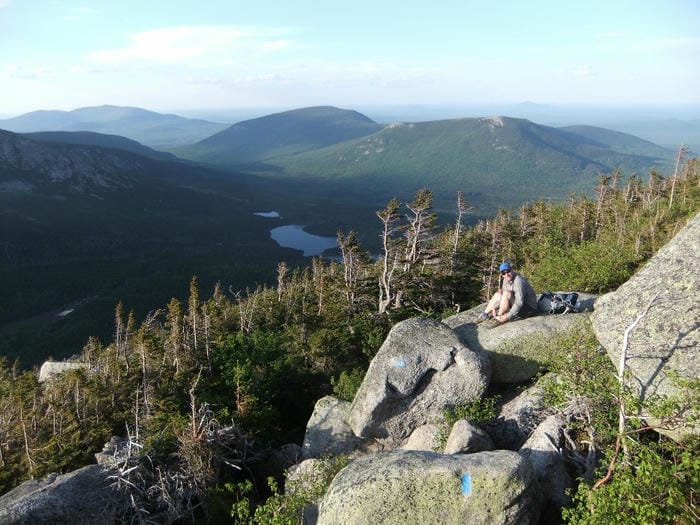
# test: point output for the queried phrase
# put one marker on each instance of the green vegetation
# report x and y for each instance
(642, 474)
(477, 412)
(203, 384)
(287, 508)
(495, 161)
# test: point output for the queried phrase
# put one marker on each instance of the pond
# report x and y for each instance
(294, 236)
(268, 214)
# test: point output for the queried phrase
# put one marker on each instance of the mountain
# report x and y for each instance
(90, 138)
(670, 133)
(53, 168)
(84, 227)
(495, 162)
(619, 142)
(156, 130)
(286, 133)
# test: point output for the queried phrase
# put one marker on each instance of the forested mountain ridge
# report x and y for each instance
(496, 161)
(524, 160)
(153, 129)
(91, 138)
(286, 133)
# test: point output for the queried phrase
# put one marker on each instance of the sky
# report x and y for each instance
(178, 55)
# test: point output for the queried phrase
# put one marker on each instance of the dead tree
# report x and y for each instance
(389, 217)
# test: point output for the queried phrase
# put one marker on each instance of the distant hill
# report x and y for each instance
(286, 133)
(90, 138)
(156, 130)
(495, 161)
(620, 142)
(670, 133)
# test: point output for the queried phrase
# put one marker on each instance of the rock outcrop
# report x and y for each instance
(428, 437)
(519, 350)
(544, 449)
(663, 295)
(51, 369)
(518, 418)
(328, 430)
(402, 487)
(84, 496)
(421, 369)
(467, 438)
(77, 169)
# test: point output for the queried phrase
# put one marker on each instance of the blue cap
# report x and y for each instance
(504, 266)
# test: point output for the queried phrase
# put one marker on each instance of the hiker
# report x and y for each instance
(515, 298)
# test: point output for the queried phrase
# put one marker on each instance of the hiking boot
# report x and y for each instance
(483, 316)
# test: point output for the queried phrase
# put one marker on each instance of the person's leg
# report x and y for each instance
(506, 302)
(492, 306)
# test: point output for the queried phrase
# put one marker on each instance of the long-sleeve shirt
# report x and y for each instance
(523, 293)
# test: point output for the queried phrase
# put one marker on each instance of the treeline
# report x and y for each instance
(195, 382)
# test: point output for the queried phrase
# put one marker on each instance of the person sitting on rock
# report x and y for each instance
(515, 298)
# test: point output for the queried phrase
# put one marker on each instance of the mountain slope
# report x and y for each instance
(147, 127)
(90, 138)
(285, 133)
(496, 161)
(37, 167)
(669, 133)
(91, 226)
(618, 141)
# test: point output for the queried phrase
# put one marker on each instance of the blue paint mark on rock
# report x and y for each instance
(400, 363)
(467, 484)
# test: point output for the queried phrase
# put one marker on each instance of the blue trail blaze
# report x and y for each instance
(466, 484)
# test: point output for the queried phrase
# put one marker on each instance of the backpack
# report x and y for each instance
(558, 302)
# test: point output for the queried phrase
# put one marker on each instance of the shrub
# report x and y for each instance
(657, 483)
(590, 266)
(477, 411)
(287, 508)
(348, 383)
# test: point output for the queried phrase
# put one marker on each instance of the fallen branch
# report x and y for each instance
(619, 442)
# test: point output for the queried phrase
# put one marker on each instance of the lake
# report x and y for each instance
(294, 236)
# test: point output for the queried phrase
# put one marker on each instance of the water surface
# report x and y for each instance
(294, 236)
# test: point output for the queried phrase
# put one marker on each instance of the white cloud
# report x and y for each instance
(20, 72)
(4, 3)
(185, 43)
(582, 70)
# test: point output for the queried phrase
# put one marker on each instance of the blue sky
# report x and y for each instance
(182, 55)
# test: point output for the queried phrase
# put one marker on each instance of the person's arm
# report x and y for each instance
(518, 297)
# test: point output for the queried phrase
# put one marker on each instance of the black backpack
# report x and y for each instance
(558, 302)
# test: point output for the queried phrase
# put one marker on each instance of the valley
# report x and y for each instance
(94, 215)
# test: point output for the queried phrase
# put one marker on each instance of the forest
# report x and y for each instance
(206, 386)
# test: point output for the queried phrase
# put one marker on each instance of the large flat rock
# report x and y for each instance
(665, 292)
(410, 487)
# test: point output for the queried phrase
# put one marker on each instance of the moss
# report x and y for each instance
(406, 487)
